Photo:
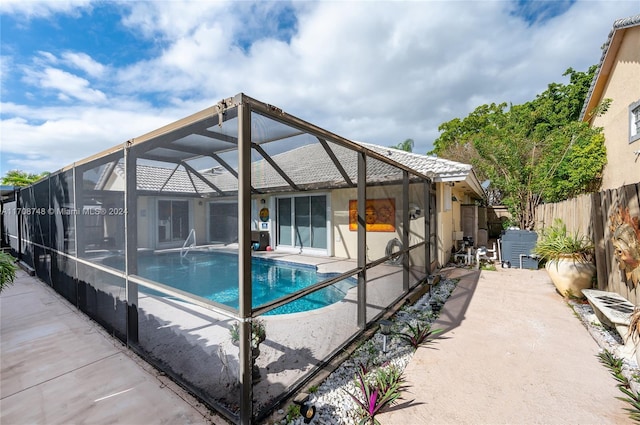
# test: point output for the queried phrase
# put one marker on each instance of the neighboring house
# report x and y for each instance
(618, 79)
(174, 200)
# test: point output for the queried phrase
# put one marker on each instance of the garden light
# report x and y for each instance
(308, 411)
(385, 328)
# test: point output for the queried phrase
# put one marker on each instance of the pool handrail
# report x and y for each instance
(185, 249)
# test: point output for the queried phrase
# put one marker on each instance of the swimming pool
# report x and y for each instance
(214, 276)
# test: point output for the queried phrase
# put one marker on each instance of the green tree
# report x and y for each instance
(532, 153)
(406, 146)
(21, 178)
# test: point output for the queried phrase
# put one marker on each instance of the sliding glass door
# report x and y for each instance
(173, 221)
(223, 222)
(302, 221)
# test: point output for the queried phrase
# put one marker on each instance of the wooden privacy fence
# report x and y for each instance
(592, 215)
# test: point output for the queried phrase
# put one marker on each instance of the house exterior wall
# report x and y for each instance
(115, 182)
(345, 241)
(446, 221)
(623, 87)
(147, 221)
(445, 232)
(257, 205)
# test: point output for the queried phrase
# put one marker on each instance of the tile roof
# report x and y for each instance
(157, 179)
(308, 166)
(628, 22)
(431, 166)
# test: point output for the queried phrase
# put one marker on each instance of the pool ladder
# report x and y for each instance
(185, 246)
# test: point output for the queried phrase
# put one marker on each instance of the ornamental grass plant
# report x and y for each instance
(555, 243)
(8, 270)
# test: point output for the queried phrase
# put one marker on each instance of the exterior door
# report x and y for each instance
(173, 221)
(302, 221)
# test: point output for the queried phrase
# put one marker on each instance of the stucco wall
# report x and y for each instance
(346, 241)
(623, 88)
(448, 219)
(148, 215)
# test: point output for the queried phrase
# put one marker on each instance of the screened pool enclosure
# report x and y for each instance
(238, 249)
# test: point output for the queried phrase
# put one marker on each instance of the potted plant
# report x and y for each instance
(568, 259)
(258, 335)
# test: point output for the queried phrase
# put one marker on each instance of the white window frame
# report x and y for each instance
(293, 248)
(634, 121)
(156, 236)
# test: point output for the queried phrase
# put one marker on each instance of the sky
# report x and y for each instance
(78, 77)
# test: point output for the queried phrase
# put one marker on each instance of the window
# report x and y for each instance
(634, 121)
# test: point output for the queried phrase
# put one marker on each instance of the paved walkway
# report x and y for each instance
(512, 353)
(59, 367)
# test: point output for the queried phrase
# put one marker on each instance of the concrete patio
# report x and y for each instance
(512, 352)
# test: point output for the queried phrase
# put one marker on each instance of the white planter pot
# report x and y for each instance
(570, 277)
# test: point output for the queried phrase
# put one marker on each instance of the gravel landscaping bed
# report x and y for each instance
(332, 400)
(608, 339)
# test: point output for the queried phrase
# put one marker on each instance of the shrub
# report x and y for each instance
(375, 394)
(419, 334)
(8, 270)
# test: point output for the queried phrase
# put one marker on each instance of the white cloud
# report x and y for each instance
(173, 20)
(54, 137)
(67, 85)
(6, 66)
(380, 72)
(41, 9)
(85, 63)
(45, 58)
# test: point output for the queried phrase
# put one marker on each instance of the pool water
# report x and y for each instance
(214, 276)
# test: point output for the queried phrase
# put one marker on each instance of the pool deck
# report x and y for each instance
(296, 342)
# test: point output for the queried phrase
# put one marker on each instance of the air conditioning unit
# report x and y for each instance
(517, 247)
